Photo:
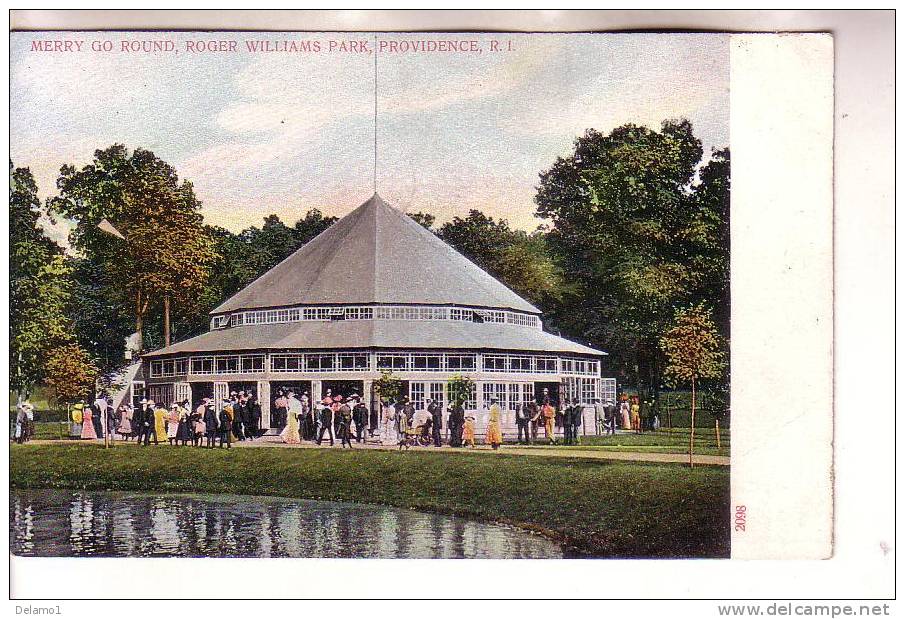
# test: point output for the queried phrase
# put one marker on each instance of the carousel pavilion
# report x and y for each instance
(376, 292)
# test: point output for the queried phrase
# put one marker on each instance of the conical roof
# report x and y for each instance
(376, 254)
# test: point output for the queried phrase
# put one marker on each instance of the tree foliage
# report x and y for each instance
(388, 387)
(38, 287)
(165, 252)
(425, 219)
(693, 352)
(638, 232)
(459, 389)
(693, 347)
(520, 260)
(70, 373)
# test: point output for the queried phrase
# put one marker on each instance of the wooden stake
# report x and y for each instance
(717, 433)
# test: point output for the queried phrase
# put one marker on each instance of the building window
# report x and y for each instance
(495, 391)
(588, 390)
(252, 363)
(286, 363)
(202, 365)
(461, 363)
(436, 392)
(523, 320)
(391, 312)
(427, 363)
(515, 396)
(546, 365)
(227, 365)
(416, 394)
(521, 364)
(392, 362)
(319, 363)
(353, 362)
(495, 363)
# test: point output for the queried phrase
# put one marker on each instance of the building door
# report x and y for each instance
(221, 392)
(345, 388)
(182, 392)
(282, 388)
(201, 391)
(552, 390)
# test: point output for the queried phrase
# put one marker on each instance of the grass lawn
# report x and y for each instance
(601, 508)
(662, 441)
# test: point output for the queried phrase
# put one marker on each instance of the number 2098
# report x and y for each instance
(741, 513)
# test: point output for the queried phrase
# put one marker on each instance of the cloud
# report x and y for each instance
(257, 133)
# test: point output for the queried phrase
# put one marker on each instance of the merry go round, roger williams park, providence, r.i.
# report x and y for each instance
(375, 293)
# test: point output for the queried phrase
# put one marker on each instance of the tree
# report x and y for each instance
(166, 256)
(425, 219)
(516, 258)
(388, 386)
(99, 325)
(693, 352)
(459, 389)
(636, 234)
(70, 373)
(38, 287)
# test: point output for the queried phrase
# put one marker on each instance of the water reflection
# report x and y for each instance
(59, 523)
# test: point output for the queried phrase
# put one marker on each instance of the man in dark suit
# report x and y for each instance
(609, 418)
(147, 423)
(225, 426)
(523, 415)
(374, 420)
(568, 430)
(211, 424)
(436, 413)
(577, 412)
(456, 424)
(360, 416)
(138, 421)
(253, 411)
(408, 409)
(345, 424)
(325, 420)
(240, 416)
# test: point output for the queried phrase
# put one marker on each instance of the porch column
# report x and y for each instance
(264, 401)
(367, 393)
(316, 395)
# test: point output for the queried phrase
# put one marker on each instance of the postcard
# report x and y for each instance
(418, 295)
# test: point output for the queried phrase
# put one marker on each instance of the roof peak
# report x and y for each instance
(376, 254)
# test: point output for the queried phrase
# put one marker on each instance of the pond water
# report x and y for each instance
(63, 523)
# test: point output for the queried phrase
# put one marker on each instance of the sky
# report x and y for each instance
(284, 132)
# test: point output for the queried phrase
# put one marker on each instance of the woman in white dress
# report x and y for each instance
(389, 436)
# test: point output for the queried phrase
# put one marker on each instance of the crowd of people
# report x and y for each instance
(394, 422)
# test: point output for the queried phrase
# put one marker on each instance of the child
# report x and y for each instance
(468, 431)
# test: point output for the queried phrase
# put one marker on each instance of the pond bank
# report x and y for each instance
(599, 507)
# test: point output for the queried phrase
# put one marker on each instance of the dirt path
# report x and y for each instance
(548, 452)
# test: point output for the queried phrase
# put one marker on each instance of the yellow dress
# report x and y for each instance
(160, 423)
(494, 429)
(468, 431)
